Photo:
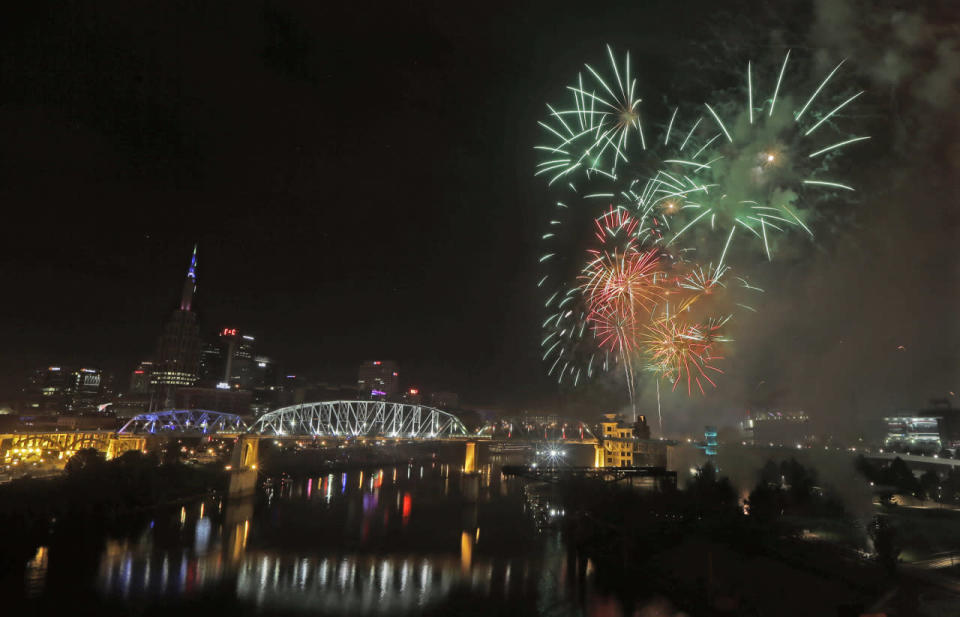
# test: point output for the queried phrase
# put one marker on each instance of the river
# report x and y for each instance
(395, 540)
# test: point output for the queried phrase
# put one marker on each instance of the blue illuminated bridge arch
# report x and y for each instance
(184, 421)
(360, 418)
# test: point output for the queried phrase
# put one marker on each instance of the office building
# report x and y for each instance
(926, 431)
(266, 390)
(264, 373)
(177, 361)
(212, 368)
(237, 350)
(229, 361)
(378, 379)
(66, 390)
(140, 379)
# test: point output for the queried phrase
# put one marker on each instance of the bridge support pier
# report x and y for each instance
(470, 457)
(246, 452)
(470, 482)
(243, 472)
(598, 455)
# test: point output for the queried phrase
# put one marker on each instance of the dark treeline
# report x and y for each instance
(791, 490)
(896, 478)
(630, 535)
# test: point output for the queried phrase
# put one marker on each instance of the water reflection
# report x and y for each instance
(35, 577)
(395, 540)
(358, 584)
(382, 541)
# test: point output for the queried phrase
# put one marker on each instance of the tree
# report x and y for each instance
(951, 486)
(764, 503)
(800, 481)
(867, 469)
(708, 492)
(900, 476)
(85, 460)
(770, 474)
(929, 485)
(884, 537)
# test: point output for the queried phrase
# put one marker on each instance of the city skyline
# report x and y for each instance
(436, 308)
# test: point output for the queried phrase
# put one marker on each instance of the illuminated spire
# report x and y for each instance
(190, 283)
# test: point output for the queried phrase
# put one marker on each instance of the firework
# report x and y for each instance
(589, 318)
(747, 169)
(621, 287)
(660, 286)
(625, 278)
(682, 352)
(593, 133)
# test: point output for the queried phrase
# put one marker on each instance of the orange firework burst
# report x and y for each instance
(682, 352)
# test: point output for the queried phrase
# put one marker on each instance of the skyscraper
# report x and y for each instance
(67, 390)
(237, 358)
(140, 378)
(378, 379)
(229, 361)
(178, 351)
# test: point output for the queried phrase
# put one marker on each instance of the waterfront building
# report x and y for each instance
(378, 379)
(925, 431)
(628, 445)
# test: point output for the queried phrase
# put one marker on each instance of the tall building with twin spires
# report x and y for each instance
(177, 361)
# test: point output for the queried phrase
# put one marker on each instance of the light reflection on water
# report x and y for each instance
(36, 573)
(380, 541)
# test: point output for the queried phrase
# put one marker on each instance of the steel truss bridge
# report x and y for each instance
(185, 421)
(336, 419)
(360, 419)
(524, 430)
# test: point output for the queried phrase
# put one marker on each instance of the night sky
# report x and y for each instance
(360, 183)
